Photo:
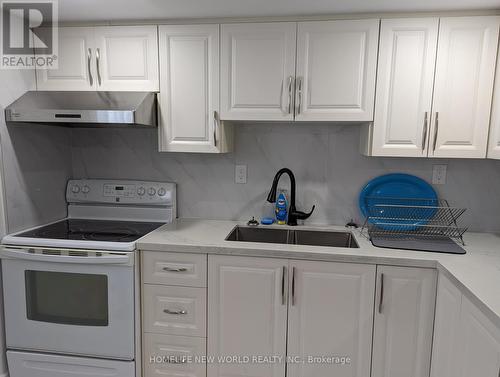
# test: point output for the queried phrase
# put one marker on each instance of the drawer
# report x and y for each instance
(189, 270)
(175, 356)
(175, 310)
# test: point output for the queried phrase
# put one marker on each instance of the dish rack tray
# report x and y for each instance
(413, 218)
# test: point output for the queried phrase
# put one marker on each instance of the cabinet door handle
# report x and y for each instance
(293, 285)
(175, 360)
(290, 98)
(436, 123)
(299, 95)
(175, 312)
(283, 277)
(381, 300)
(98, 65)
(177, 269)
(89, 58)
(215, 128)
(424, 132)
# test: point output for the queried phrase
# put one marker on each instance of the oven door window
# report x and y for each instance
(67, 298)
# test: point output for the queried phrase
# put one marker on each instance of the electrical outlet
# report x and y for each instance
(240, 174)
(439, 174)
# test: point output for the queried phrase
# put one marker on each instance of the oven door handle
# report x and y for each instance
(105, 259)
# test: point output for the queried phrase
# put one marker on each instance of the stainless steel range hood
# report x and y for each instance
(84, 109)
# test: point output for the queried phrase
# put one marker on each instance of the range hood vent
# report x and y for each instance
(85, 109)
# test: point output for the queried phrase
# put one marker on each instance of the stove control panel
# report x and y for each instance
(120, 192)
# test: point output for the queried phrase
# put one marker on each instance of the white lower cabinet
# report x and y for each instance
(403, 325)
(174, 356)
(247, 315)
(330, 314)
(466, 342)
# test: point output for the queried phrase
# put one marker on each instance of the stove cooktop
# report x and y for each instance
(93, 230)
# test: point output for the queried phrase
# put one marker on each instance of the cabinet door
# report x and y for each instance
(189, 88)
(76, 62)
(446, 329)
(465, 68)
(479, 344)
(404, 317)
(257, 71)
(330, 314)
(247, 315)
(336, 67)
(407, 55)
(127, 58)
(494, 137)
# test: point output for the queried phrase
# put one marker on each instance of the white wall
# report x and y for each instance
(36, 161)
(325, 159)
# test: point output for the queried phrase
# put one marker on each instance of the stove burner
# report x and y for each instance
(93, 230)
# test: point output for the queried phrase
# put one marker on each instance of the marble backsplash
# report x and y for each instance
(325, 158)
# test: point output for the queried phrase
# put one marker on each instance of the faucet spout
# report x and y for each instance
(293, 214)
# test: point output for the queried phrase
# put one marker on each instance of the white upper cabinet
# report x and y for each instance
(121, 58)
(257, 71)
(494, 138)
(76, 62)
(405, 77)
(127, 58)
(189, 90)
(330, 313)
(465, 69)
(336, 68)
(247, 314)
(403, 325)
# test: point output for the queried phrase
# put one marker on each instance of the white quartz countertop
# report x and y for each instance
(476, 273)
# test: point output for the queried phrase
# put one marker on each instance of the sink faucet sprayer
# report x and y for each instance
(293, 214)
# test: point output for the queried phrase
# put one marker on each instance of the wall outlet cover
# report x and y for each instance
(439, 174)
(240, 174)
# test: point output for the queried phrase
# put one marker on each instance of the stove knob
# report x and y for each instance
(75, 189)
(141, 191)
(151, 191)
(85, 189)
(162, 191)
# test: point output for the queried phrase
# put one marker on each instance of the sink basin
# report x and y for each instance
(325, 238)
(293, 237)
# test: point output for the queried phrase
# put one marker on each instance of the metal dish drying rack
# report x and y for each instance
(413, 219)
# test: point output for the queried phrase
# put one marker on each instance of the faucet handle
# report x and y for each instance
(302, 215)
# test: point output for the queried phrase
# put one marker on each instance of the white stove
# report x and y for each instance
(71, 290)
(104, 214)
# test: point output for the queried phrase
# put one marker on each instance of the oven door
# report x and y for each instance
(80, 305)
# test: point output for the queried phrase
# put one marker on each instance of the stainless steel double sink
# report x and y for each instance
(293, 236)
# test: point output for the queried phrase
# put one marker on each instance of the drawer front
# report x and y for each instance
(175, 310)
(174, 356)
(189, 270)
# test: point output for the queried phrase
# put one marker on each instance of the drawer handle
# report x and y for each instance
(172, 269)
(176, 360)
(175, 312)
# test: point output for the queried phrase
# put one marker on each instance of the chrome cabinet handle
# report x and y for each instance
(175, 312)
(89, 58)
(215, 128)
(283, 276)
(290, 99)
(172, 269)
(436, 123)
(381, 301)
(299, 95)
(98, 65)
(173, 360)
(424, 131)
(293, 285)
